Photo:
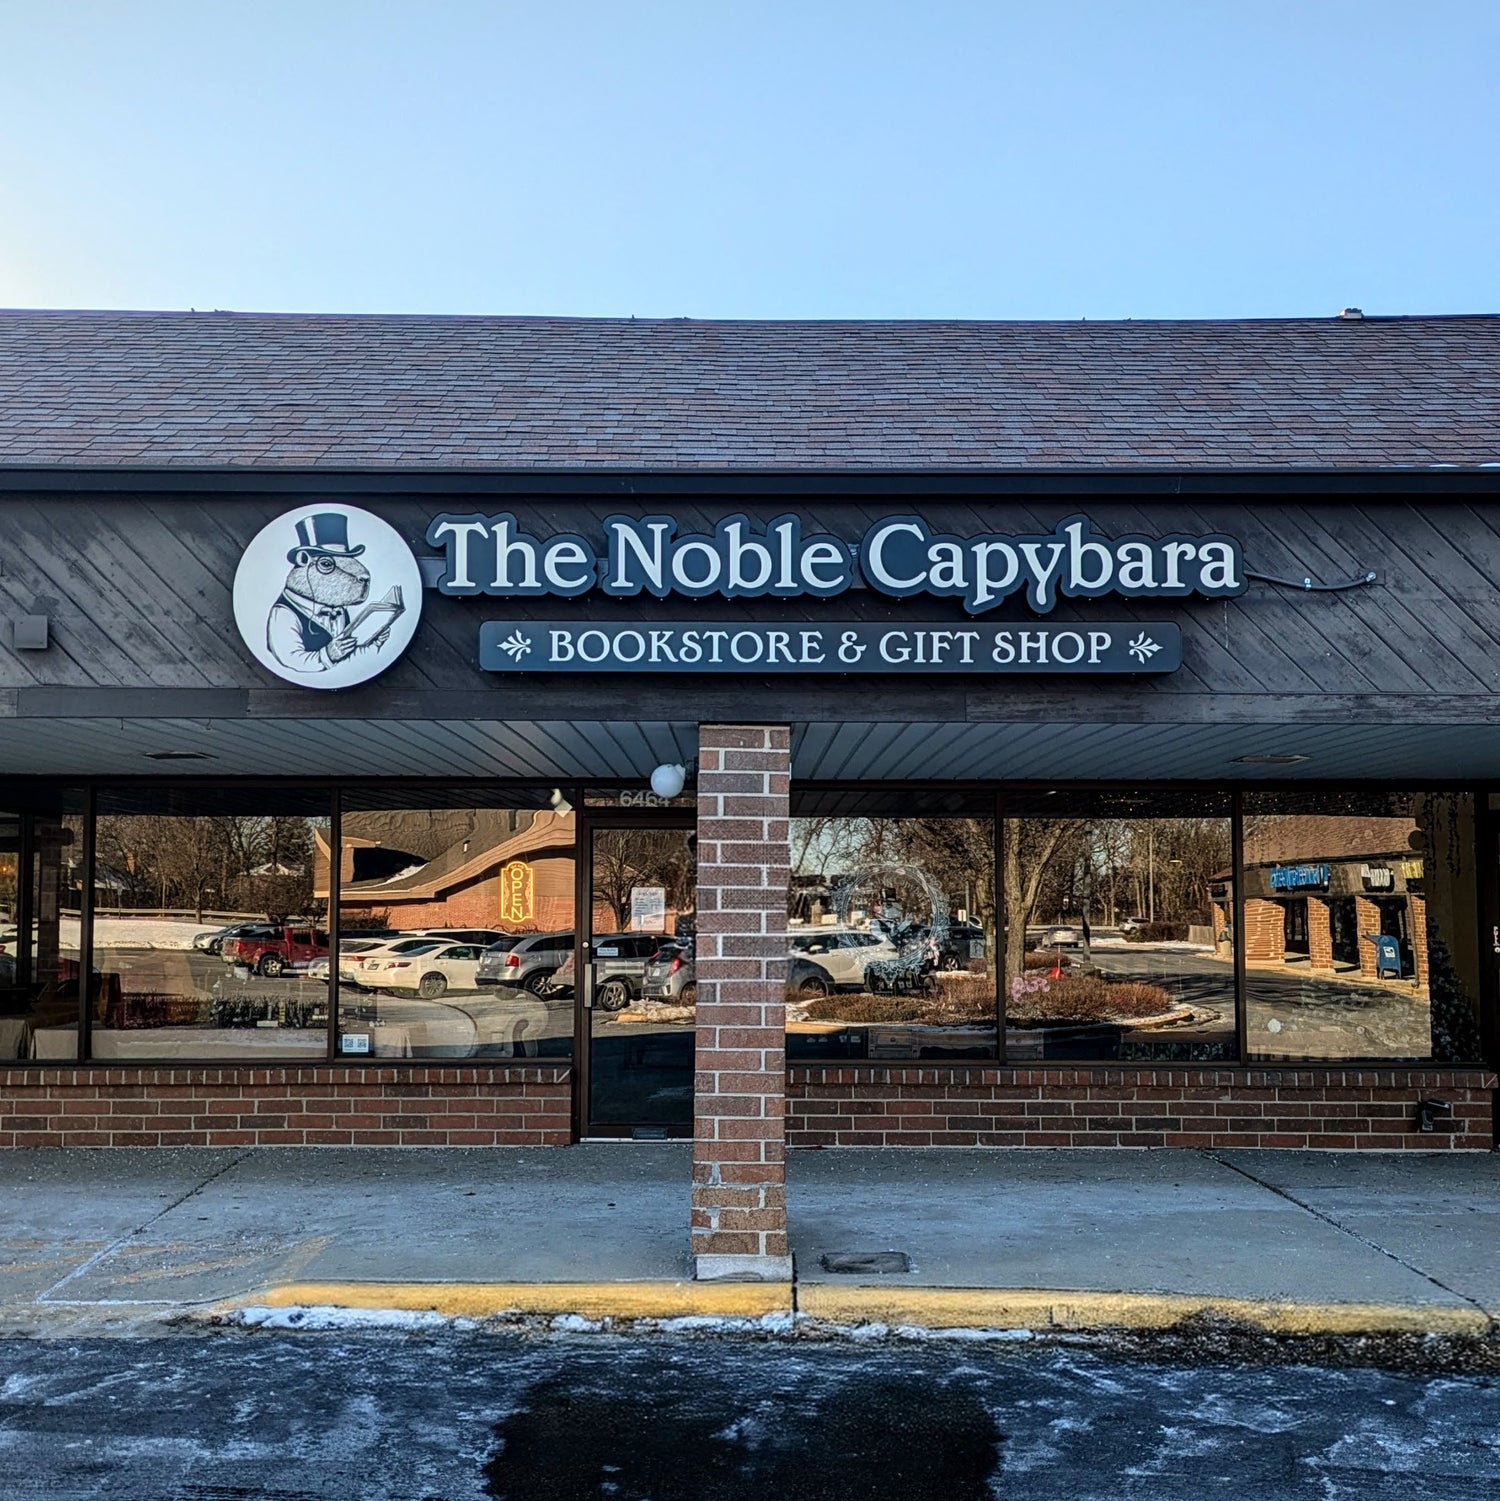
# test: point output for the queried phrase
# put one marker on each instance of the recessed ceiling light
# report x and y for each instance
(180, 755)
(1270, 758)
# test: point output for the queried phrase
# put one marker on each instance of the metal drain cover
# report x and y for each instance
(865, 1262)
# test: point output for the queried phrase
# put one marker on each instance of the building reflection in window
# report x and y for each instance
(1361, 926)
(890, 932)
(1118, 943)
(206, 929)
(456, 930)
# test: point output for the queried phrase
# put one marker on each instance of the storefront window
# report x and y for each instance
(890, 931)
(41, 847)
(207, 934)
(456, 924)
(1118, 941)
(1361, 926)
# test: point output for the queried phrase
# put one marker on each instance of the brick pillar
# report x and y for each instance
(1265, 930)
(1223, 948)
(1416, 914)
(1366, 920)
(1320, 932)
(739, 1090)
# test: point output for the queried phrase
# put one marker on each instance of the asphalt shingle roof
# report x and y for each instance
(247, 389)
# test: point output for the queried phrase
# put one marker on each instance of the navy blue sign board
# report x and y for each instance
(836, 647)
(1295, 877)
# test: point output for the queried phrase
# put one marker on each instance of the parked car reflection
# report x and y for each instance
(529, 960)
(428, 969)
(672, 976)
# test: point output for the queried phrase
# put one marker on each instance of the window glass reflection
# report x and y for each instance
(1361, 926)
(206, 928)
(890, 938)
(41, 850)
(455, 925)
(1118, 942)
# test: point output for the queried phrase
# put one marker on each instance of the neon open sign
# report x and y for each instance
(516, 892)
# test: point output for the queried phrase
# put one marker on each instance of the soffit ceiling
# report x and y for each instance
(546, 750)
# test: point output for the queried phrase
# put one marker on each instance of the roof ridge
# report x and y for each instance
(1306, 319)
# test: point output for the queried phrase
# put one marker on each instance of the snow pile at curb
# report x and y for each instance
(327, 1317)
(323, 1316)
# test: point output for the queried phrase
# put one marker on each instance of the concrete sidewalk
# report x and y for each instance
(1295, 1242)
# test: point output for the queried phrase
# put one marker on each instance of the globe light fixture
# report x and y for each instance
(668, 780)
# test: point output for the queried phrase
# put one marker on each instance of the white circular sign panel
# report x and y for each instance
(327, 596)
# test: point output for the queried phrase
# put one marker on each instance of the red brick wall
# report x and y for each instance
(477, 904)
(739, 1156)
(1366, 922)
(1126, 1107)
(1320, 932)
(1417, 916)
(419, 1106)
(1265, 930)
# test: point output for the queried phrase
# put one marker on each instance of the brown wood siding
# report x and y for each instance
(137, 589)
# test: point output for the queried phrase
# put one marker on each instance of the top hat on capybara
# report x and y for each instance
(324, 532)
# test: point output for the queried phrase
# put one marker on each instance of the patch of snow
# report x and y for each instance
(138, 932)
(322, 1316)
(962, 1336)
(1168, 946)
(575, 1323)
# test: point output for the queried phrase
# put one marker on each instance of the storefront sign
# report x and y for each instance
(1296, 877)
(833, 647)
(327, 596)
(900, 556)
(1377, 877)
(516, 889)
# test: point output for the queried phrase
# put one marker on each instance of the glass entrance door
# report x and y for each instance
(635, 984)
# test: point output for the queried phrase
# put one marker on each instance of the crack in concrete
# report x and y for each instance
(87, 1266)
(1363, 1240)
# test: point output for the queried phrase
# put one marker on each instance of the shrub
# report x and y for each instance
(352, 923)
(869, 1008)
(1037, 1001)
(960, 1000)
(1047, 959)
(1158, 932)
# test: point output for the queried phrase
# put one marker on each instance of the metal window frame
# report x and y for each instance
(1486, 834)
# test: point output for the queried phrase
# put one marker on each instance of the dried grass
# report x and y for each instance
(1085, 998)
(969, 1000)
(1046, 959)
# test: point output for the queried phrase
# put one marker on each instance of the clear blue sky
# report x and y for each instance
(787, 158)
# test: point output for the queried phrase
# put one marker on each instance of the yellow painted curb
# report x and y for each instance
(592, 1300)
(922, 1307)
(1022, 1308)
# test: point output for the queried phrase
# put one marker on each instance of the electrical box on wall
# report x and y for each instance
(30, 633)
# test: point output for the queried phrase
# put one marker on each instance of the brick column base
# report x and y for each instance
(739, 1090)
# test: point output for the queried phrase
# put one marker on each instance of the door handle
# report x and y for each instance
(586, 970)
